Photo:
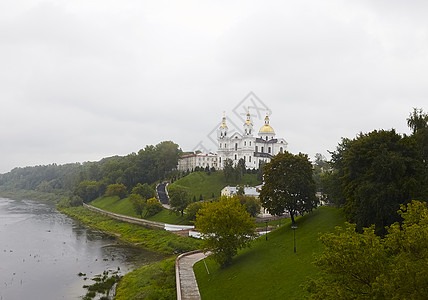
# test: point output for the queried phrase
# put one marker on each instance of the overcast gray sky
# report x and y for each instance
(82, 80)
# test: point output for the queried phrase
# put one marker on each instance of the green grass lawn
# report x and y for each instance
(124, 207)
(200, 183)
(270, 269)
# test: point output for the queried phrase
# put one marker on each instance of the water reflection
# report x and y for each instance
(42, 251)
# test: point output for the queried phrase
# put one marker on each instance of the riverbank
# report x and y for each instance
(151, 239)
(154, 281)
(38, 196)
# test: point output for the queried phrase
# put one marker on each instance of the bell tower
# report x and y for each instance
(248, 126)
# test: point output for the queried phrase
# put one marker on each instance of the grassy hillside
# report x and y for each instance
(270, 269)
(200, 183)
(124, 207)
(151, 239)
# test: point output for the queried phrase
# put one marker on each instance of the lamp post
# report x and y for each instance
(266, 229)
(294, 227)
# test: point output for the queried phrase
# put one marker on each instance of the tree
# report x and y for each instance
(289, 185)
(240, 170)
(145, 190)
(153, 206)
(168, 154)
(366, 266)
(226, 227)
(228, 170)
(381, 170)
(252, 204)
(138, 203)
(89, 190)
(116, 189)
(417, 120)
(192, 210)
(178, 198)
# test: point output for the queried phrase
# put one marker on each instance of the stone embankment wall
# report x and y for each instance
(137, 221)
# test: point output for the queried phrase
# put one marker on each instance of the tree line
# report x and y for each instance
(90, 180)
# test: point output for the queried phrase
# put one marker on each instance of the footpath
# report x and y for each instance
(187, 287)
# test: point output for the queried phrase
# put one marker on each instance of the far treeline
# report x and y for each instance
(90, 180)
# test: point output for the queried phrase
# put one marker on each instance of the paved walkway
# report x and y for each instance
(163, 194)
(187, 287)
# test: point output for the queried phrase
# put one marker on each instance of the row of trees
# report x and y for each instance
(234, 173)
(151, 164)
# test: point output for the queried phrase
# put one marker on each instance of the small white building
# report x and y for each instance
(202, 160)
(230, 191)
(253, 191)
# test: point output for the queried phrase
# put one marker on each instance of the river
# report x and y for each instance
(42, 252)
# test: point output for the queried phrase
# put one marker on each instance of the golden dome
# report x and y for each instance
(266, 128)
(248, 122)
(223, 124)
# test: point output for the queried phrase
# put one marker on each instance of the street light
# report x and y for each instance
(266, 229)
(294, 227)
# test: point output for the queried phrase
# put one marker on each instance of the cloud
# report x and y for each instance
(83, 80)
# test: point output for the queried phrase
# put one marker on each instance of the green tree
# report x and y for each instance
(167, 154)
(145, 190)
(192, 210)
(289, 185)
(138, 203)
(381, 170)
(252, 204)
(179, 198)
(417, 120)
(239, 170)
(89, 190)
(366, 266)
(153, 207)
(228, 170)
(226, 227)
(116, 189)
(241, 190)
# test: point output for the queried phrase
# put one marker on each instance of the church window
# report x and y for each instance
(249, 158)
(269, 150)
(281, 150)
(219, 159)
(244, 157)
(257, 149)
(225, 146)
(263, 149)
(236, 146)
(220, 145)
(266, 138)
(250, 143)
(245, 143)
(235, 157)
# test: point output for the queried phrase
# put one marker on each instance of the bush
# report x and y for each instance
(153, 207)
(116, 189)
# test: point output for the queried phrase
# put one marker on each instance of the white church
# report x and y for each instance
(252, 149)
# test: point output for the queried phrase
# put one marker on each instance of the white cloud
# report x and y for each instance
(85, 79)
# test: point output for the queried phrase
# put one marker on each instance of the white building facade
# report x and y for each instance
(202, 160)
(253, 149)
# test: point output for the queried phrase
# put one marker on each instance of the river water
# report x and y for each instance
(42, 252)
